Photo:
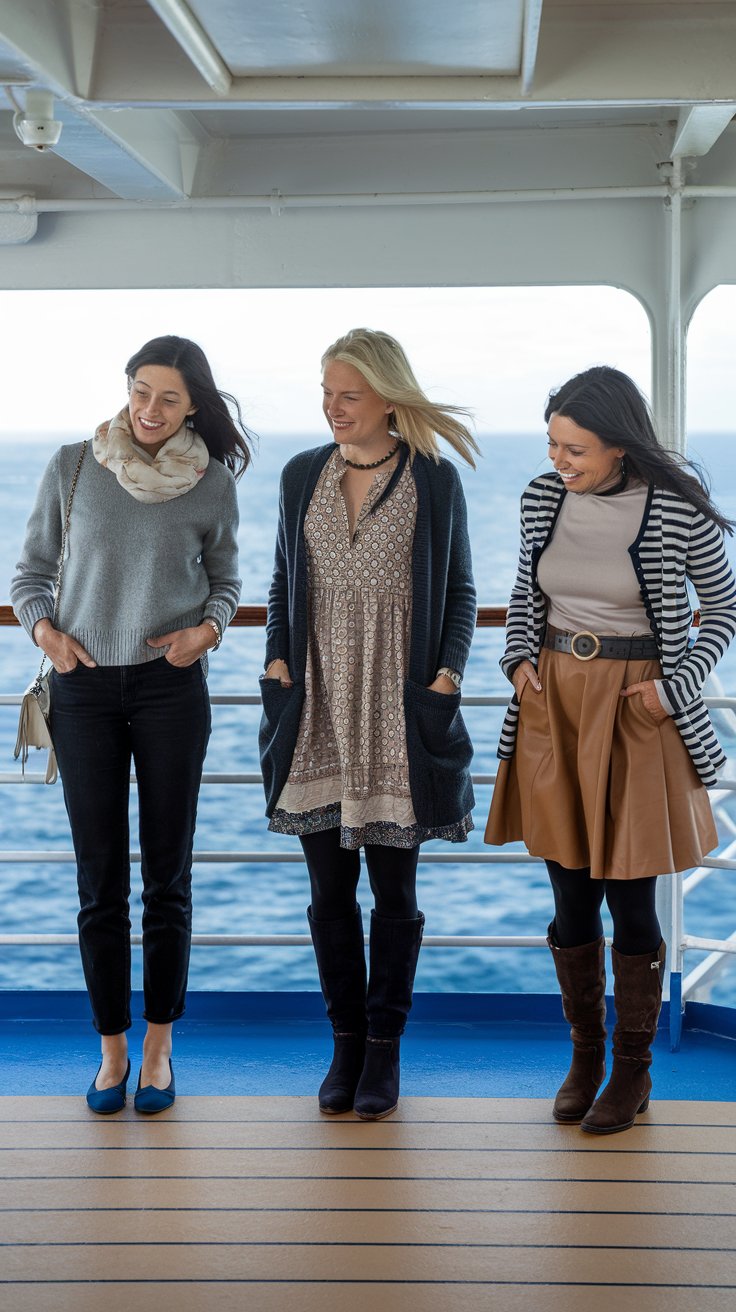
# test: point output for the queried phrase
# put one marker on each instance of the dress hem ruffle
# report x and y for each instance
(382, 832)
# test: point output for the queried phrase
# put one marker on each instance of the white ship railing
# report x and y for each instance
(672, 892)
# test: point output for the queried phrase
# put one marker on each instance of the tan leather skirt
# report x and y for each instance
(595, 782)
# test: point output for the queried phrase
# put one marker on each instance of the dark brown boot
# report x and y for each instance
(637, 993)
(581, 974)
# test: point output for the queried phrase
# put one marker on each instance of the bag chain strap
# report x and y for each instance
(64, 535)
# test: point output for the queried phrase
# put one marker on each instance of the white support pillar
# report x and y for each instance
(669, 407)
(668, 345)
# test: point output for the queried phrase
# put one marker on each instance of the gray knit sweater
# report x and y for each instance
(132, 571)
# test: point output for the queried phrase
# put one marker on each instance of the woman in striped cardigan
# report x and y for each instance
(607, 748)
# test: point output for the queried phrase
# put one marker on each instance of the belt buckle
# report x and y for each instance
(589, 642)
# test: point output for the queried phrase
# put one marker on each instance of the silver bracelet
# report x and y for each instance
(209, 619)
(451, 674)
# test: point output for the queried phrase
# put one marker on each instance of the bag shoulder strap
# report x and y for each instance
(64, 536)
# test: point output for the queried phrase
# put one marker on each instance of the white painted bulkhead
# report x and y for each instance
(468, 227)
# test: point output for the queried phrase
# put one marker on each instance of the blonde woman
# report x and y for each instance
(370, 618)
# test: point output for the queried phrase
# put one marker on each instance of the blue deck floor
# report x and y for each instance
(476, 1045)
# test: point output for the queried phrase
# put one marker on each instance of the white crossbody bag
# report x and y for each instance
(35, 709)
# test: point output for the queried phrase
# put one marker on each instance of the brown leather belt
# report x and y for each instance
(586, 646)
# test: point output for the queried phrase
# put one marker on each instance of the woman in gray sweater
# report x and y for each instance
(149, 585)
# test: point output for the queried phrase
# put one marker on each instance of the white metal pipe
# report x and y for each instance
(90, 204)
(703, 191)
(26, 857)
(707, 971)
(690, 941)
(37, 778)
(667, 358)
(253, 699)
(194, 41)
(692, 880)
(339, 200)
(286, 940)
(703, 872)
(303, 940)
(677, 946)
(675, 332)
(530, 44)
(490, 699)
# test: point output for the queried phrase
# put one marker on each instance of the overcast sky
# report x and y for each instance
(497, 351)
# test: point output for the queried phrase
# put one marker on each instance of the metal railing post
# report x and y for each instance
(670, 909)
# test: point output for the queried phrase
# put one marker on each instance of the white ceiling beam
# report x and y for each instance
(56, 40)
(395, 92)
(699, 128)
(583, 55)
(194, 41)
(132, 152)
(530, 43)
(623, 54)
(472, 93)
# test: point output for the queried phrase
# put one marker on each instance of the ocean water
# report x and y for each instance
(262, 898)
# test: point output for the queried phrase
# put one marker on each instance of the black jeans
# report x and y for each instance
(158, 715)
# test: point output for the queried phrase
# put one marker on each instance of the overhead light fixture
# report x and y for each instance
(35, 125)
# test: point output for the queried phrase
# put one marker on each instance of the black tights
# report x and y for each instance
(578, 900)
(334, 872)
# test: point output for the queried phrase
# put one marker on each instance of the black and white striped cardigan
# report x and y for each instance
(675, 543)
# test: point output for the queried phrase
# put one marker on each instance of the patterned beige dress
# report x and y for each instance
(350, 768)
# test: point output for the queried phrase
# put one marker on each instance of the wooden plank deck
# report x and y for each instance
(453, 1205)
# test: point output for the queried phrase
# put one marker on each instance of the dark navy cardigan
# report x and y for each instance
(442, 627)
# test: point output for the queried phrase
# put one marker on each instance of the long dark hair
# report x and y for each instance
(608, 403)
(214, 419)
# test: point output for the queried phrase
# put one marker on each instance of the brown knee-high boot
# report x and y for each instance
(581, 974)
(637, 993)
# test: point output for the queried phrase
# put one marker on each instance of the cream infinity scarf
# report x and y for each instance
(176, 469)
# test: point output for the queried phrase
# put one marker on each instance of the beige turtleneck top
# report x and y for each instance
(586, 572)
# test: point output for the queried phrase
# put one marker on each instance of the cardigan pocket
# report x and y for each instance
(439, 751)
(277, 734)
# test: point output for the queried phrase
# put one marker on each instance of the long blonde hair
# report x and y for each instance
(415, 419)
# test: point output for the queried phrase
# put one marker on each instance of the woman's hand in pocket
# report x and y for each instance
(523, 674)
(442, 684)
(185, 646)
(278, 669)
(64, 652)
(649, 699)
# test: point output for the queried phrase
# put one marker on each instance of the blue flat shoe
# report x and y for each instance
(106, 1101)
(151, 1100)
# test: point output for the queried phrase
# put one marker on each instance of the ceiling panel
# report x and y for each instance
(314, 84)
(359, 38)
